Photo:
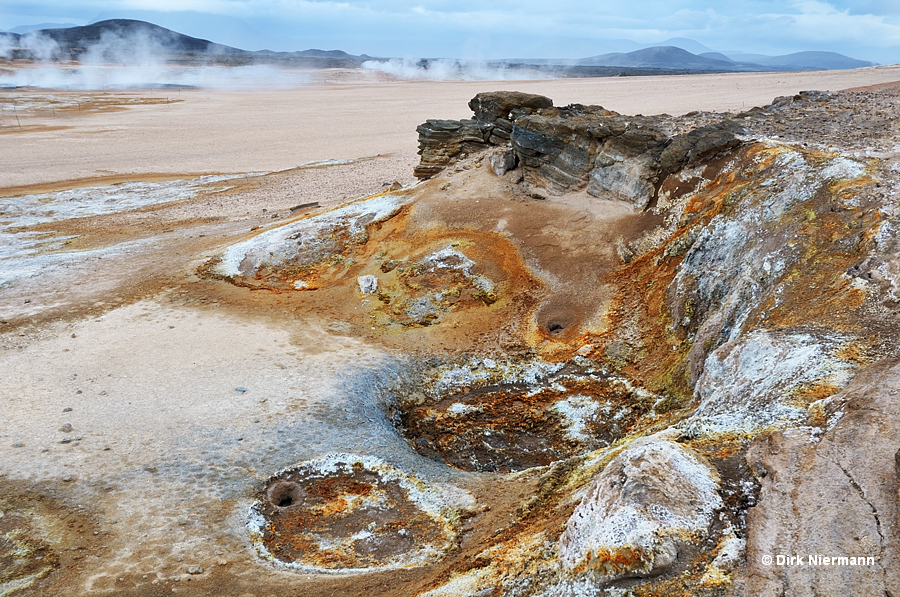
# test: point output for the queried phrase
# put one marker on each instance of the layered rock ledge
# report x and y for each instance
(573, 147)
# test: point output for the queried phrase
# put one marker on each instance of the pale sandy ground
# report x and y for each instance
(263, 130)
(148, 357)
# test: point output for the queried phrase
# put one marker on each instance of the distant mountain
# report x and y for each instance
(747, 57)
(694, 47)
(816, 61)
(131, 40)
(73, 42)
(668, 57)
(229, 31)
(124, 40)
(716, 56)
(803, 61)
(674, 58)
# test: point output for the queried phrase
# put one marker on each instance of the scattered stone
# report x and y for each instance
(66, 428)
(367, 284)
(65, 440)
(67, 409)
(502, 161)
(68, 479)
(17, 445)
(303, 206)
(240, 389)
(195, 570)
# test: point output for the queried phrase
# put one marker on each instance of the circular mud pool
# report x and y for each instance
(348, 513)
(507, 427)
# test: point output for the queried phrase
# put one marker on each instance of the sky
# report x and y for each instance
(488, 29)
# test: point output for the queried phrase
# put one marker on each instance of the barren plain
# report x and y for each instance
(156, 373)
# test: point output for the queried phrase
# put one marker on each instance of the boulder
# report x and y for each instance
(698, 144)
(503, 160)
(649, 500)
(493, 105)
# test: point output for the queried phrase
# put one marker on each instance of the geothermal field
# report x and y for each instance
(354, 335)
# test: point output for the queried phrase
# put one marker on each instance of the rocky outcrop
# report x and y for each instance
(442, 141)
(650, 499)
(610, 155)
(575, 147)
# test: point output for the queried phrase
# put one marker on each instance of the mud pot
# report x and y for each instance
(348, 513)
(513, 426)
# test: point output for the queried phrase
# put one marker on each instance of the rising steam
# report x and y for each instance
(136, 60)
(452, 70)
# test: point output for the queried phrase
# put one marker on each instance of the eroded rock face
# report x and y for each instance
(831, 493)
(649, 499)
(441, 141)
(575, 147)
(759, 380)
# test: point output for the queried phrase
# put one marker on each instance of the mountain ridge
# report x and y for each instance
(112, 39)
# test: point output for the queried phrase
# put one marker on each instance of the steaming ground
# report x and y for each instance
(153, 75)
(451, 70)
(186, 394)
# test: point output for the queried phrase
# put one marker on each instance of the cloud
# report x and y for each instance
(823, 22)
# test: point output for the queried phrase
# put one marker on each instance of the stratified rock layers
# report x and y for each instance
(574, 147)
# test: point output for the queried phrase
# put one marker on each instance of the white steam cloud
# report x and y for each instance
(43, 48)
(451, 70)
(105, 76)
(133, 61)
